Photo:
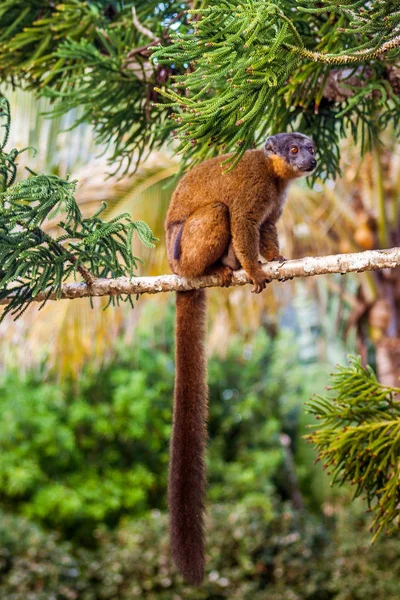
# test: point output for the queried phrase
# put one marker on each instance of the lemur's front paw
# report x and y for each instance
(274, 258)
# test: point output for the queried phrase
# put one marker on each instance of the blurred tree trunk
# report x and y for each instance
(388, 361)
(384, 314)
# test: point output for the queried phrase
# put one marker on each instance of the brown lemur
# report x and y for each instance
(217, 222)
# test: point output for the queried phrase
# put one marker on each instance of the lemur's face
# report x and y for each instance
(297, 150)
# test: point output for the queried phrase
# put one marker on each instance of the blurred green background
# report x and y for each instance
(86, 401)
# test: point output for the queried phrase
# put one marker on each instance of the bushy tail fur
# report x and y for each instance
(187, 477)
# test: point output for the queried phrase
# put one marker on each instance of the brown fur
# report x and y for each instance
(216, 222)
(213, 208)
(187, 478)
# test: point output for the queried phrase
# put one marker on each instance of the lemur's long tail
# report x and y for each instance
(187, 477)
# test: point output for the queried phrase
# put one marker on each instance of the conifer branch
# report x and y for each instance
(144, 30)
(358, 439)
(345, 59)
(256, 71)
(370, 260)
(87, 276)
(32, 261)
(227, 74)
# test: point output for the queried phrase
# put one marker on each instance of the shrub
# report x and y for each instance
(35, 566)
(76, 459)
(249, 558)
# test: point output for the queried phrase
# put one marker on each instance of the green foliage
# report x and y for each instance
(78, 459)
(90, 56)
(249, 558)
(35, 565)
(238, 54)
(32, 31)
(243, 70)
(359, 439)
(113, 92)
(261, 67)
(31, 260)
(253, 399)
(74, 462)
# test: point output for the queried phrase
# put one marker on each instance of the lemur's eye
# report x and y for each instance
(294, 149)
(311, 149)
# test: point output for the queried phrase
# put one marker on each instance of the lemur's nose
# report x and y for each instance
(313, 162)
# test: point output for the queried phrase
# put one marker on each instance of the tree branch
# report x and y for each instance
(354, 57)
(370, 260)
(340, 83)
(143, 30)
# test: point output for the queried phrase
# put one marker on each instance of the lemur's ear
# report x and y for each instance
(270, 146)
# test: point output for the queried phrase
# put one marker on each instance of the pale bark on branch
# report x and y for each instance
(370, 260)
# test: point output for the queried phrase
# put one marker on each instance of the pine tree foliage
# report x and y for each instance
(31, 260)
(231, 72)
(90, 56)
(359, 439)
(262, 66)
(115, 99)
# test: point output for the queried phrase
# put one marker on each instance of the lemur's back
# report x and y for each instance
(209, 182)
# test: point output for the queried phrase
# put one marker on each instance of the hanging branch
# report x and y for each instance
(143, 30)
(370, 260)
(355, 57)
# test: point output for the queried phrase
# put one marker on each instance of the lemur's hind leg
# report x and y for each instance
(230, 259)
(196, 246)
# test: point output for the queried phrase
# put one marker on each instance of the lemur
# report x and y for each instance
(217, 222)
